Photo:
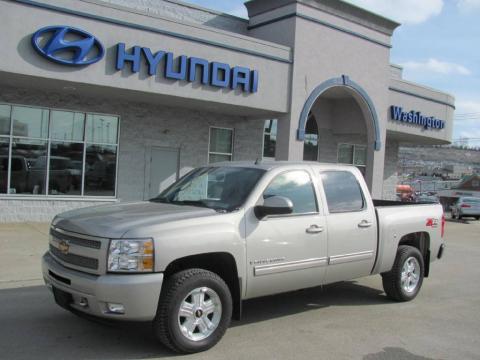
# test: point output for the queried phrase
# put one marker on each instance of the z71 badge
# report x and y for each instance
(432, 222)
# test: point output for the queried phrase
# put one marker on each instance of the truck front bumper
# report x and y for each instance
(138, 294)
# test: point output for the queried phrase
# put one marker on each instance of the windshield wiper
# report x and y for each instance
(200, 203)
(160, 200)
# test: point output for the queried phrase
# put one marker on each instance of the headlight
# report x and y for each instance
(131, 255)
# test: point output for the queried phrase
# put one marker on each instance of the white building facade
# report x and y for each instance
(112, 100)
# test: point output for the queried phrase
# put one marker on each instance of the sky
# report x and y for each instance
(438, 45)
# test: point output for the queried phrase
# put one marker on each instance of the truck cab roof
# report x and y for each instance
(272, 164)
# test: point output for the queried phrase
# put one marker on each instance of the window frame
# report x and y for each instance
(314, 190)
(220, 153)
(263, 140)
(353, 154)
(9, 137)
(49, 140)
(329, 212)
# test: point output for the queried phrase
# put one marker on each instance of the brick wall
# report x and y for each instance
(37, 210)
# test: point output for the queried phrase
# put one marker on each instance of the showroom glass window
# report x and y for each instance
(57, 152)
(269, 138)
(310, 144)
(221, 145)
(353, 155)
(4, 146)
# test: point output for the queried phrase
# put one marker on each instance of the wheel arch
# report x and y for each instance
(221, 263)
(421, 241)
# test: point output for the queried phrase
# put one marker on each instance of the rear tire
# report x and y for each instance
(404, 281)
(194, 311)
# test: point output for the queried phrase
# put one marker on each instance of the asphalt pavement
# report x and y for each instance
(348, 320)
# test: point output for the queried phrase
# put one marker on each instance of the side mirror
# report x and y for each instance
(275, 205)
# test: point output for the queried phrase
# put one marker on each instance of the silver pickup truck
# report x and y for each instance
(227, 232)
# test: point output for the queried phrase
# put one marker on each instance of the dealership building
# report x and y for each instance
(112, 100)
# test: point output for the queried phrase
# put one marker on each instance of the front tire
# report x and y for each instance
(194, 311)
(404, 281)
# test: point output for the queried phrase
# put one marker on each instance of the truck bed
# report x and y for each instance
(395, 218)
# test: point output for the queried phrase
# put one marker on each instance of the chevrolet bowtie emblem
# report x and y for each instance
(64, 246)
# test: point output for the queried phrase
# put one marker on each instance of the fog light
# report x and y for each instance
(116, 308)
(83, 302)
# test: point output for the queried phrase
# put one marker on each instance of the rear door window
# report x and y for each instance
(342, 191)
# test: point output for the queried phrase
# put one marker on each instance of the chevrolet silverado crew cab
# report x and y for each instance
(227, 232)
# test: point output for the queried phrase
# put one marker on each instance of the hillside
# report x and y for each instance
(427, 158)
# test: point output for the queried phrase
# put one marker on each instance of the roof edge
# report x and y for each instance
(339, 8)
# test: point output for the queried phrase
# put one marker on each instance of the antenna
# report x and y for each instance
(258, 161)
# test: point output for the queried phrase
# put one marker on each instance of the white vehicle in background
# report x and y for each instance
(427, 198)
(466, 207)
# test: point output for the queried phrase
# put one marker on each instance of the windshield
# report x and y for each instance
(222, 188)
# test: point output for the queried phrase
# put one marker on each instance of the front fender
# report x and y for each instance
(223, 233)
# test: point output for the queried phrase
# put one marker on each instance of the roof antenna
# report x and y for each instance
(258, 161)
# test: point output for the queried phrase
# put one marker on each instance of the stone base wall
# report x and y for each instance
(16, 210)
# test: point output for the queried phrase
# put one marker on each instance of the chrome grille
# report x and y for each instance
(74, 259)
(94, 244)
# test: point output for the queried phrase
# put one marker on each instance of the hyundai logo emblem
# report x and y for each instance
(67, 45)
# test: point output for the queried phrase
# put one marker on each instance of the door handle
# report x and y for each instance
(314, 229)
(365, 224)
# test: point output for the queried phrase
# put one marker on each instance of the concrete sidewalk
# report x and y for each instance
(21, 248)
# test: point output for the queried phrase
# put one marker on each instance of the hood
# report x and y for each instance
(113, 221)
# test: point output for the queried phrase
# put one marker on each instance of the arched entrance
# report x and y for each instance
(339, 124)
